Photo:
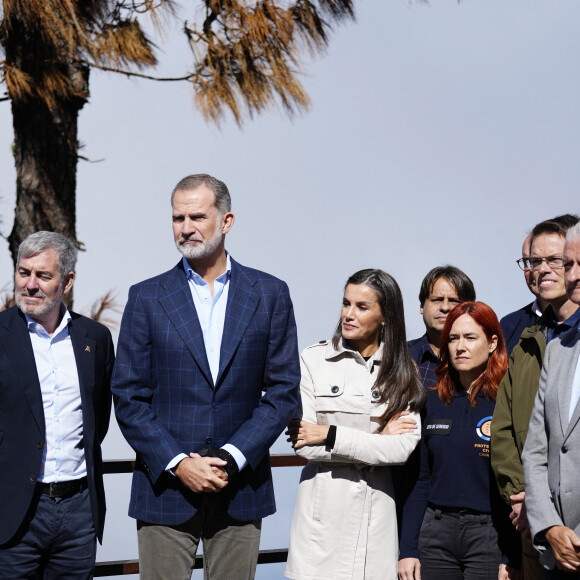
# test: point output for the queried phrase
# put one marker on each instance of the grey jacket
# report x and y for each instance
(551, 454)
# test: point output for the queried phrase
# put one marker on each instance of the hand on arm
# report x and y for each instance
(202, 474)
(301, 433)
(519, 516)
(508, 573)
(566, 547)
(409, 569)
(399, 424)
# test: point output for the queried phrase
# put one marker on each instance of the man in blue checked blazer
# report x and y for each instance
(206, 379)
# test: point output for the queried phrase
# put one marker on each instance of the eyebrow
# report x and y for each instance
(38, 272)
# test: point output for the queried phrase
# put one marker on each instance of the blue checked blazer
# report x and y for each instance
(166, 402)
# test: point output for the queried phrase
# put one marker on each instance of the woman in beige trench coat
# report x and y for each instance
(361, 398)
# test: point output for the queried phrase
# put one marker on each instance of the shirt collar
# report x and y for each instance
(332, 352)
(550, 321)
(34, 326)
(426, 350)
(573, 320)
(197, 279)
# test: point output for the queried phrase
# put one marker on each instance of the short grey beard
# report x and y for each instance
(202, 249)
(32, 311)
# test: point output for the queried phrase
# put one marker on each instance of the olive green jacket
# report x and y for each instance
(513, 409)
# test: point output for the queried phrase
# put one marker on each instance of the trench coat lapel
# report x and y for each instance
(178, 305)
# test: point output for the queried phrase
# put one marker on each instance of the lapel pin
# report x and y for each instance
(87, 349)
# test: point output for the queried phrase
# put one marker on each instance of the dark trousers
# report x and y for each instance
(557, 574)
(57, 540)
(531, 567)
(458, 546)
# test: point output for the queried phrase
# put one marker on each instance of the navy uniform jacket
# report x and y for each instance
(22, 427)
(166, 401)
(455, 469)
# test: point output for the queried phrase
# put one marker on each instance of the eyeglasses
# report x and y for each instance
(554, 262)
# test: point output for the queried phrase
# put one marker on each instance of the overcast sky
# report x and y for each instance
(438, 134)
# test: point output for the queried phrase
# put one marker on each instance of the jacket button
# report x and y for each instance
(208, 440)
(215, 405)
(334, 389)
(375, 394)
(32, 477)
(564, 449)
(39, 445)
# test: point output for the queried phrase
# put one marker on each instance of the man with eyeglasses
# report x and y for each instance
(517, 391)
(513, 324)
(552, 454)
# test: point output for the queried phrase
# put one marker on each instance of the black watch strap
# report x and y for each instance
(331, 438)
(231, 467)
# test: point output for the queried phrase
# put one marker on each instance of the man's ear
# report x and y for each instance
(68, 283)
(228, 220)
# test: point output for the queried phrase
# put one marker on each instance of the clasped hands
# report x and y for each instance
(566, 547)
(202, 474)
(564, 542)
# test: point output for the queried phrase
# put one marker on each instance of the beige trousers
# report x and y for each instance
(230, 547)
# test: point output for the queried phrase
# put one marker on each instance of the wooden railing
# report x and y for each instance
(122, 567)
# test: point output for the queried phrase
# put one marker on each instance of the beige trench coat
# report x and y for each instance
(345, 524)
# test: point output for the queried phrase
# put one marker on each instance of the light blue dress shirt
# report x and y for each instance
(211, 312)
(63, 457)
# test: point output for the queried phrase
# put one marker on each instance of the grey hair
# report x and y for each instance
(573, 233)
(222, 199)
(40, 241)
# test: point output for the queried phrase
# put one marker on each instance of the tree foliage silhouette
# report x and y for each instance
(245, 57)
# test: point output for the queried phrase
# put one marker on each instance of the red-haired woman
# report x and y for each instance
(447, 531)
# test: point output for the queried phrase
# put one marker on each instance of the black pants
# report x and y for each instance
(557, 574)
(458, 546)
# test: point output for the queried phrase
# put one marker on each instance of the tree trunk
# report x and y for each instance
(46, 153)
(45, 143)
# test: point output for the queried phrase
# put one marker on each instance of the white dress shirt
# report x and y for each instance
(63, 456)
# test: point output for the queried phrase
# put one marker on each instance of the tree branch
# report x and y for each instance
(135, 74)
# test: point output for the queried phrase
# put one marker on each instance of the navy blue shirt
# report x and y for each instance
(513, 324)
(455, 470)
(421, 352)
(551, 326)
